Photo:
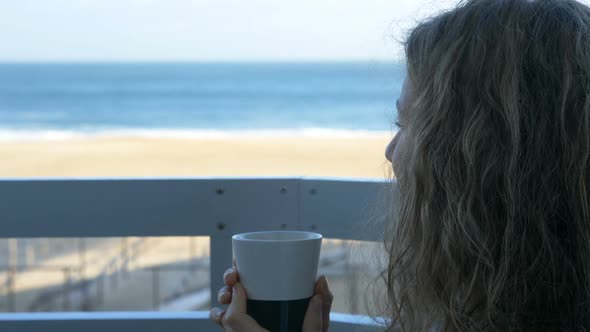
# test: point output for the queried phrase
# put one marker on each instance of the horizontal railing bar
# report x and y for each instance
(134, 207)
(147, 321)
(52, 267)
(107, 321)
(105, 315)
(36, 268)
(199, 178)
(121, 207)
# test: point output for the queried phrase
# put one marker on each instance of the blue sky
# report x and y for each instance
(207, 30)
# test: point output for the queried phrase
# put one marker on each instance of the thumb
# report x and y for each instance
(313, 317)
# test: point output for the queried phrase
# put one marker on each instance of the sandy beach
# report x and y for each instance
(236, 156)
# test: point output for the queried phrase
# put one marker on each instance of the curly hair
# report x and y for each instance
(491, 227)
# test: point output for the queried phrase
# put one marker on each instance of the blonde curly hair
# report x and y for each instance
(491, 229)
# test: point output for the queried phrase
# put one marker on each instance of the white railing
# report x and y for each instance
(214, 207)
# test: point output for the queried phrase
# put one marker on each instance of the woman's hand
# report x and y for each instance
(235, 318)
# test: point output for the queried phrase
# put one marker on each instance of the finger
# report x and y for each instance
(238, 299)
(313, 316)
(224, 295)
(216, 315)
(236, 319)
(318, 287)
(230, 277)
(323, 289)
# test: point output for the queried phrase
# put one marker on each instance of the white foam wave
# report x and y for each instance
(60, 135)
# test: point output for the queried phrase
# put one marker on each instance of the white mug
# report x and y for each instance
(278, 269)
(277, 265)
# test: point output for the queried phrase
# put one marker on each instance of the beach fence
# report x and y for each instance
(106, 275)
(109, 228)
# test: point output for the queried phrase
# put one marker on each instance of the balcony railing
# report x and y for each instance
(213, 207)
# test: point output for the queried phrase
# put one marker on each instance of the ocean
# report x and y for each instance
(55, 101)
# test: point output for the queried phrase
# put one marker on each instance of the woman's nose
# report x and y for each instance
(391, 147)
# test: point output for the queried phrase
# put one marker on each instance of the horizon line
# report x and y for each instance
(197, 61)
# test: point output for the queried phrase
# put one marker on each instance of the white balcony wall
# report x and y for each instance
(214, 207)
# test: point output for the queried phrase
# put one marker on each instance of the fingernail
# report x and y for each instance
(227, 274)
(218, 314)
(325, 283)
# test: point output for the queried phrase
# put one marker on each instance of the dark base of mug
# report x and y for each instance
(279, 316)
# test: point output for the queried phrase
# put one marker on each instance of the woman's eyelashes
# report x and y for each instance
(398, 124)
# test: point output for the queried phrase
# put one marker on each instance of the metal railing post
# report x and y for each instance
(155, 287)
(192, 252)
(66, 288)
(11, 293)
(13, 262)
(124, 256)
(100, 291)
(220, 260)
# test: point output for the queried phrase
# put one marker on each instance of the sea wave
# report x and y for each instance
(62, 134)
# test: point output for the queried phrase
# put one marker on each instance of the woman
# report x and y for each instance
(492, 224)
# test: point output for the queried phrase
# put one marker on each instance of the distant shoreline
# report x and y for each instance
(377, 61)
